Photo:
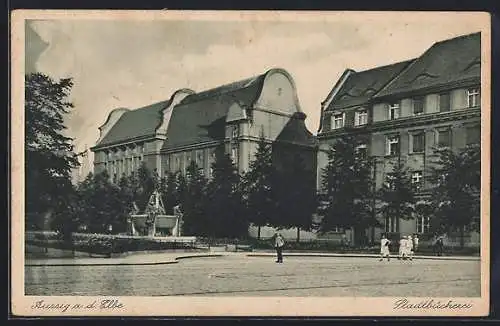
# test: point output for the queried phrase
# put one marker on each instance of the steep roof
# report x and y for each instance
(201, 117)
(134, 124)
(360, 87)
(453, 60)
(296, 131)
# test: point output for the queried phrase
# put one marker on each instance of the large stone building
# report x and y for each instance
(192, 126)
(403, 110)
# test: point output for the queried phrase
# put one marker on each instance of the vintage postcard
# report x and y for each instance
(259, 163)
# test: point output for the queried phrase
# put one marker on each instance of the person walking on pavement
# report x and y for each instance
(402, 246)
(409, 245)
(384, 248)
(279, 242)
(439, 245)
(415, 243)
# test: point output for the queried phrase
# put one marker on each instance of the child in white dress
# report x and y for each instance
(402, 245)
(409, 247)
(384, 248)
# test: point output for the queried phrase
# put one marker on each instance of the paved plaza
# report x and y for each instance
(241, 275)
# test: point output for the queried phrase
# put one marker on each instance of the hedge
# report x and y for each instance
(104, 244)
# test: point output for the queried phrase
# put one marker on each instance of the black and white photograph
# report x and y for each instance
(168, 163)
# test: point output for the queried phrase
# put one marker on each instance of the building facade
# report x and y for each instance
(403, 111)
(169, 135)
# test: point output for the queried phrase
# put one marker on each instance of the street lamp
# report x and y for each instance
(375, 160)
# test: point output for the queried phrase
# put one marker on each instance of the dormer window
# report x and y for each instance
(444, 102)
(361, 118)
(473, 97)
(393, 111)
(418, 105)
(338, 121)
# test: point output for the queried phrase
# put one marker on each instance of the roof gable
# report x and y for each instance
(201, 117)
(448, 61)
(134, 124)
(295, 132)
(361, 86)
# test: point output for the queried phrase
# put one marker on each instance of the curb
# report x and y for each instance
(174, 261)
(365, 256)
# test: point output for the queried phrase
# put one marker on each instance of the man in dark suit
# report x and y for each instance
(279, 242)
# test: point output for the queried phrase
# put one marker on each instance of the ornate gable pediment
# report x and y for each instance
(113, 118)
(176, 98)
(236, 112)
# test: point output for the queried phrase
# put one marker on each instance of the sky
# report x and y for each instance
(133, 63)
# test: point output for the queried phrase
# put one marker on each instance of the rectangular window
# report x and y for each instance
(187, 159)
(423, 224)
(444, 138)
(392, 145)
(337, 229)
(177, 165)
(389, 182)
(199, 158)
(418, 105)
(235, 132)
(234, 155)
(444, 102)
(338, 121)
(417, 180)
(472, 135)
(360, 118)
(394, 111)
(417, 142)
(362, 150)
(473, 97)
(391, 225)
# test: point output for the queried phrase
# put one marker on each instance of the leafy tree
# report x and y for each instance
(396, 195)
(180, 188)
(347, 183)
(297, 196)
(456, 195)
(168, 191)
(225, 206)
(101, 204)
(142, 184)
(196, 221)
(48, 152)
(260, 195)
(127, 193)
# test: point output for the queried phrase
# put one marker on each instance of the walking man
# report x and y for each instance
(279, 242)
(384, 248)
(439, 246)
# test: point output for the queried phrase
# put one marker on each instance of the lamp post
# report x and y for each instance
(374, 192)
